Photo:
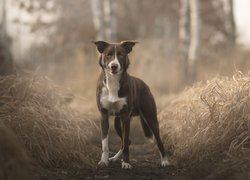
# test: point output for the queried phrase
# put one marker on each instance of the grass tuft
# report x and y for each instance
(37, 111)
(209, 120)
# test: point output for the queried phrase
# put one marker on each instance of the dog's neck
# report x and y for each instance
(112, 83)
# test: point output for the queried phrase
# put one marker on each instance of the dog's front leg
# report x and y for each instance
(125, 141)
(105, 147)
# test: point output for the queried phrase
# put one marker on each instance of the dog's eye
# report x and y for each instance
(120, 55)
(109, 56)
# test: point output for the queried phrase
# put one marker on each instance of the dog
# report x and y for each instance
(123, 96)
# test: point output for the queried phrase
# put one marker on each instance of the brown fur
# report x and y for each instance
(140, 101)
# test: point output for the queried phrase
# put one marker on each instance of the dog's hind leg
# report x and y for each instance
(125, 119)
(147, 131)
(150, 118)
(117, 126)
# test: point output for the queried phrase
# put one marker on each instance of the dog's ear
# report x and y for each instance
(101, 45)
(128, 45)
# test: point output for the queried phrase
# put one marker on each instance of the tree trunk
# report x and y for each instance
(229, 22)
(6, 61)
(98, 18)
(194, 38)
(104, 19)
(110, 20)
(189, 35)
(194, 31)
(183, 23)
(3, 15)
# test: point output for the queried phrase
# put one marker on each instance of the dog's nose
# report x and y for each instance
(114, 67)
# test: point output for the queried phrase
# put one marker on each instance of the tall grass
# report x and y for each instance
(209, 120)
(14, 161)
(36, 110)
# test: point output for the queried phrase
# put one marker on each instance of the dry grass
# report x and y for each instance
(209, 120)
(37, 111)
(14, 161)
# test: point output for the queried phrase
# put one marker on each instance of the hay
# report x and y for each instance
(34, 108)
(208, 121)
(14, 161)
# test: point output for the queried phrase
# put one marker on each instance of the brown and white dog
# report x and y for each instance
(123, 96)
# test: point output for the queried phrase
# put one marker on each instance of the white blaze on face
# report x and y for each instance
(109, 96)
(115, 62)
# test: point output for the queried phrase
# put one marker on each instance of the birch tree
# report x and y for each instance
(189, 35)
(104, 19)
(98, 18)
(110, 20)
(183, 25)
(194, 31)
(229, 22)
(2, 14)
(6, 62)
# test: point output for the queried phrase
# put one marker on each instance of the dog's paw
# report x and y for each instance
(152, 139)
(126, 165)
(165, 162)
(113, 159)
(116, 157)
(102, 164)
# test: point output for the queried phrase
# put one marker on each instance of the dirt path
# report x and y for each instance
(144, 158)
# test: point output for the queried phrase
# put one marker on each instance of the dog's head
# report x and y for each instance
(114, 56)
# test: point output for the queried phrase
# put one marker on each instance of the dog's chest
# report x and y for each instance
(109, 95)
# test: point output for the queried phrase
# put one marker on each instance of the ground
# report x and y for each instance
(144, 158)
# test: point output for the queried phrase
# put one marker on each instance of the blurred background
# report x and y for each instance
(54, 122)
(180, 41)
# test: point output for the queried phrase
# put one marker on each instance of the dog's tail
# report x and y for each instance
(147, 131)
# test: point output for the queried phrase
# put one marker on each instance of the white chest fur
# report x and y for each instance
(109, 95)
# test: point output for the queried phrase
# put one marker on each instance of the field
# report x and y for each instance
(206, 129)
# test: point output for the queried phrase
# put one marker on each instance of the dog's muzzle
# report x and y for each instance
(114, 67)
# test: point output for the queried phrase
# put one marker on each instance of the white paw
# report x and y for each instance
(102, 164)
(152, 139)
(104, 160)
(116, 157)
(165, 162)
(126, 165)
(113, 159)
